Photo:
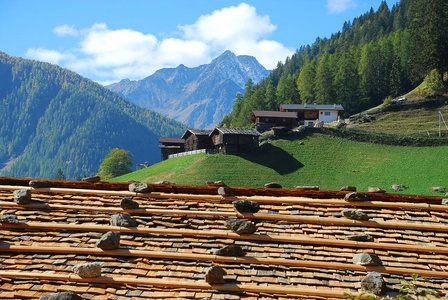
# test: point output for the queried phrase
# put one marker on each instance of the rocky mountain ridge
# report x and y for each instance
(199, 97)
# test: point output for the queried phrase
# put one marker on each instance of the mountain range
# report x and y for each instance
(198, 97)
(52, 118)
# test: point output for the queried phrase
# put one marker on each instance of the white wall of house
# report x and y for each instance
(328, 116)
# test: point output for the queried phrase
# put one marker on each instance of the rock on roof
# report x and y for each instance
(302, 245)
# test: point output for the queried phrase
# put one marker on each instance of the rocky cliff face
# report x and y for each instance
(199, 97)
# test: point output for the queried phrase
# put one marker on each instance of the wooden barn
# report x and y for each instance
(171, 145)
(196, 139)
(264, 120)
(234, 140)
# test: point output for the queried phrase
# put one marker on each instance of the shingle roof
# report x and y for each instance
(171, 140)
(275, 114)
(299, 249)
(312, 106)
(188, 132)
(238, 131)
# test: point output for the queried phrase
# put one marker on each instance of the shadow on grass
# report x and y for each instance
(275, 158)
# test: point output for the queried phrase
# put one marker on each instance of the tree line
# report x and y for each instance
(383, 53)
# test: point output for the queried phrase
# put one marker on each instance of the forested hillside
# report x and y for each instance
(52, 118)
(383, 53)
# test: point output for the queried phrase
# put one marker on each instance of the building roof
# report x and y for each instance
(236, 131)
(300, 248)
(308, 106)
(274, 114)
(171, 140)
(197, 132)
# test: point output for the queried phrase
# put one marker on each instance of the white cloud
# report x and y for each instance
(64, 30)
(107, 55)
(339, 6)
(51, 56)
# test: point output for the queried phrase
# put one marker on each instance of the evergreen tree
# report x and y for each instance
(429, 35)
(305, 83)
(271, 98)
(324, 81)
(60, 175)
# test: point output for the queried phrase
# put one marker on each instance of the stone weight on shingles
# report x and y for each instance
(230, 250)
(109, 241)
(225, 191)
(366, 259)
(246, 206)
(444, 201)
(273, 185)
(373, 283)
(38, 183)
(61, 296)
(22, 196)
(122, 220)
(92, 179)
(215, 275)
(8, 218)
(307, 187)
(359, 237)
(355, 214)
(355, 196)
(376, 190)
(127, 203)
(348, 188)
(240, 226)
(140, 187)
(88, 270)
(164, 182)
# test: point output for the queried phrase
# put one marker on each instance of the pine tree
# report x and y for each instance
(305, 83)
(324, 81)
(60, 175)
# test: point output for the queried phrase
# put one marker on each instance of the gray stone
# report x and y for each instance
(61, 296)
(438, 189)
(22, 196)
(246, 206)
(109, 241)
(127, 203)
(397, 187)
(307, 187)
(88, 269)
(225, 191)
(164, 182)
(444, 201)
(373, 283)
(122, 220)
(359, 237)
(355, 196)
(366, 259)
(348, 188)
(140, 187)
(7, 218)
(376, 190)
(240, 226)
(273, 185)
(230, 250)
(38, 183)
(216, 183)
(355, 214)
(215, 275)
(92, 179)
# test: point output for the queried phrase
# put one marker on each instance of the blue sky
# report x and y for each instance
(108, 40)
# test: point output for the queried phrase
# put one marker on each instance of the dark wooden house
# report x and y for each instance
(264, 120)
(196, 139)
(171, 145)
(234, 140)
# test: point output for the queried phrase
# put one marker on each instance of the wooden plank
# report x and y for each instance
(171, 284)
(224, 259)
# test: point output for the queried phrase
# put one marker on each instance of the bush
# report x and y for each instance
(435, 84)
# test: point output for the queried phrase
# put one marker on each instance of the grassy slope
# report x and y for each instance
(319, 160)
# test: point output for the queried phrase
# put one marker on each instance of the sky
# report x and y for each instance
(110, 40)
